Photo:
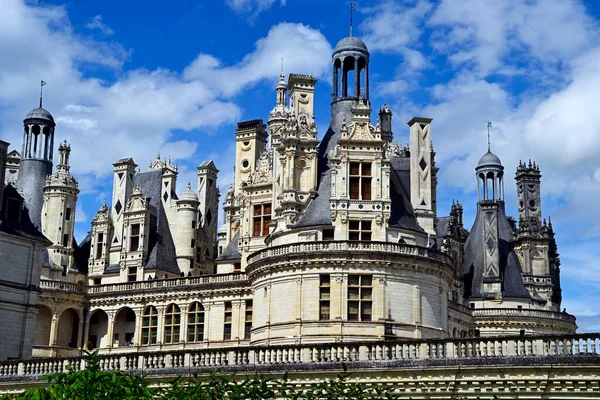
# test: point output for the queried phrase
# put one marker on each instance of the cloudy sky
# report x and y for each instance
(135, 78)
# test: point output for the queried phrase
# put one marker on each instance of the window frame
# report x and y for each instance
(195, 319)
(261, 219)
(134, 236)
(360, 230)
(324, 297)
(150, 326)
(360, 295)
(172, 325)
(360, 178)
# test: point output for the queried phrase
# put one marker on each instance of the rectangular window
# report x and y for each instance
(328, 234)
(134, 237)
(193, 224)
(193, 243)
(68, 214)
(360, 181)
(97, 281)
(132, 274)
(261, 219)
(324, 297)
(65, 240)
(237, 267)
(99, 244)
(360, 297)
(359, 230)
(228, 320)
(248, 320)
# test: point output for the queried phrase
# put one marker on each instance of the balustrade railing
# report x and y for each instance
(515, 312)
(63, 286)
(348, 246)
(171, 283)
(574, 349)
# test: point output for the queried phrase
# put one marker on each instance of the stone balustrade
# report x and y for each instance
(165, 283)
(69, 287)
(578, 349)
(349, 247)
(515, 312)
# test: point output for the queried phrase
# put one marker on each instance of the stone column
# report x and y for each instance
(80, 333)
(356, 78)
(86, 331)
(366, 80)
(137, 335)
(54, 329)
(344, 79)
(183, 326)
(335, 81)
(160, 334)
(110, 329)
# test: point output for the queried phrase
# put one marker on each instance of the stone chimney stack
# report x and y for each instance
(3, 156)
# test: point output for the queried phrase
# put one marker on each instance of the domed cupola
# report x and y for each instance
(350, 62)
(490, 175)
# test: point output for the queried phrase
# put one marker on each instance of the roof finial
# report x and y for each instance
(42, 84)
(489, 126)
(352, 9)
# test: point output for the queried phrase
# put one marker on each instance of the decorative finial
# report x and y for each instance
(189, 187)
(489, 126)
(352, 9)
(42, 84)
(158, 155)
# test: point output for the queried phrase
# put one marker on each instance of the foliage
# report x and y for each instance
(92, 383)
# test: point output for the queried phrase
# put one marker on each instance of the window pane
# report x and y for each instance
(365, 236)
(354, 225)
(366, 294)
(267, 209)
(353, 280)
(366, 225)
(257, 210)
(256, 228)
(325, 295)
(353, 293)
(354, 188)
(367, 280)
(366, 169)
(354, 168)
(366, 188)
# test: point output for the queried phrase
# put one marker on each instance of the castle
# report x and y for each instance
(328, 237)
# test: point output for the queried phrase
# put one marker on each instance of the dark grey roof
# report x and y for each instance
(489, 159)
(510, 268)
(231, 252)
(161, 248)
(112, 268)
(23, 227)
(402, 215)
(317, 213)
(40, 113)
(350, 43)
(82, 253)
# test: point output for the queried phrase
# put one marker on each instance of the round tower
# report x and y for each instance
(185, 235)
(36, 160)
(58, 211)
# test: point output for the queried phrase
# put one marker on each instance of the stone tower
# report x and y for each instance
(385, 121)
(422, 173)
(36, 160)
(528, 195)
(208, 196)
(58, 213)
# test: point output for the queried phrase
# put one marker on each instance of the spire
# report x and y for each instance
(352, 9)
(42, 84)
(489, 126)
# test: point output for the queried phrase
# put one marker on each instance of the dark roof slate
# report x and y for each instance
(510, 267)
(231, 252)
(24, 227)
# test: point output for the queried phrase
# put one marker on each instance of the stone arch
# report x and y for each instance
(43, 326)
(98, 330)
(68, 328)
(124, 327)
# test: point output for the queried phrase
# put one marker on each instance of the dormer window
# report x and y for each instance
(360, 181)
(359, 230)
(99, 244)
(261, 219)
(134, 237)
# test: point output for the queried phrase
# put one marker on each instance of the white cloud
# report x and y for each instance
(485, 34)
(254, 7)
(97, 23)
(391, 27)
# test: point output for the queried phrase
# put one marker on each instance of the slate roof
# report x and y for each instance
(24, 227)
(161, 248)
(39, 113)
(317, 213)
(510, 267)
(82, 253)
(231, 252)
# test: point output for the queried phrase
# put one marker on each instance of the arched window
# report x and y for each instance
(196, 323)
(172, 324)
(149, 325)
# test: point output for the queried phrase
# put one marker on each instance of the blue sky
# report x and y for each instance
(137, 77)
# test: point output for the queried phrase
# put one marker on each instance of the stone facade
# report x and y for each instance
(327, 238)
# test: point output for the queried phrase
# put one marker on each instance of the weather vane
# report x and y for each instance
(352, 9)
(42, 84)
(489, 126)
